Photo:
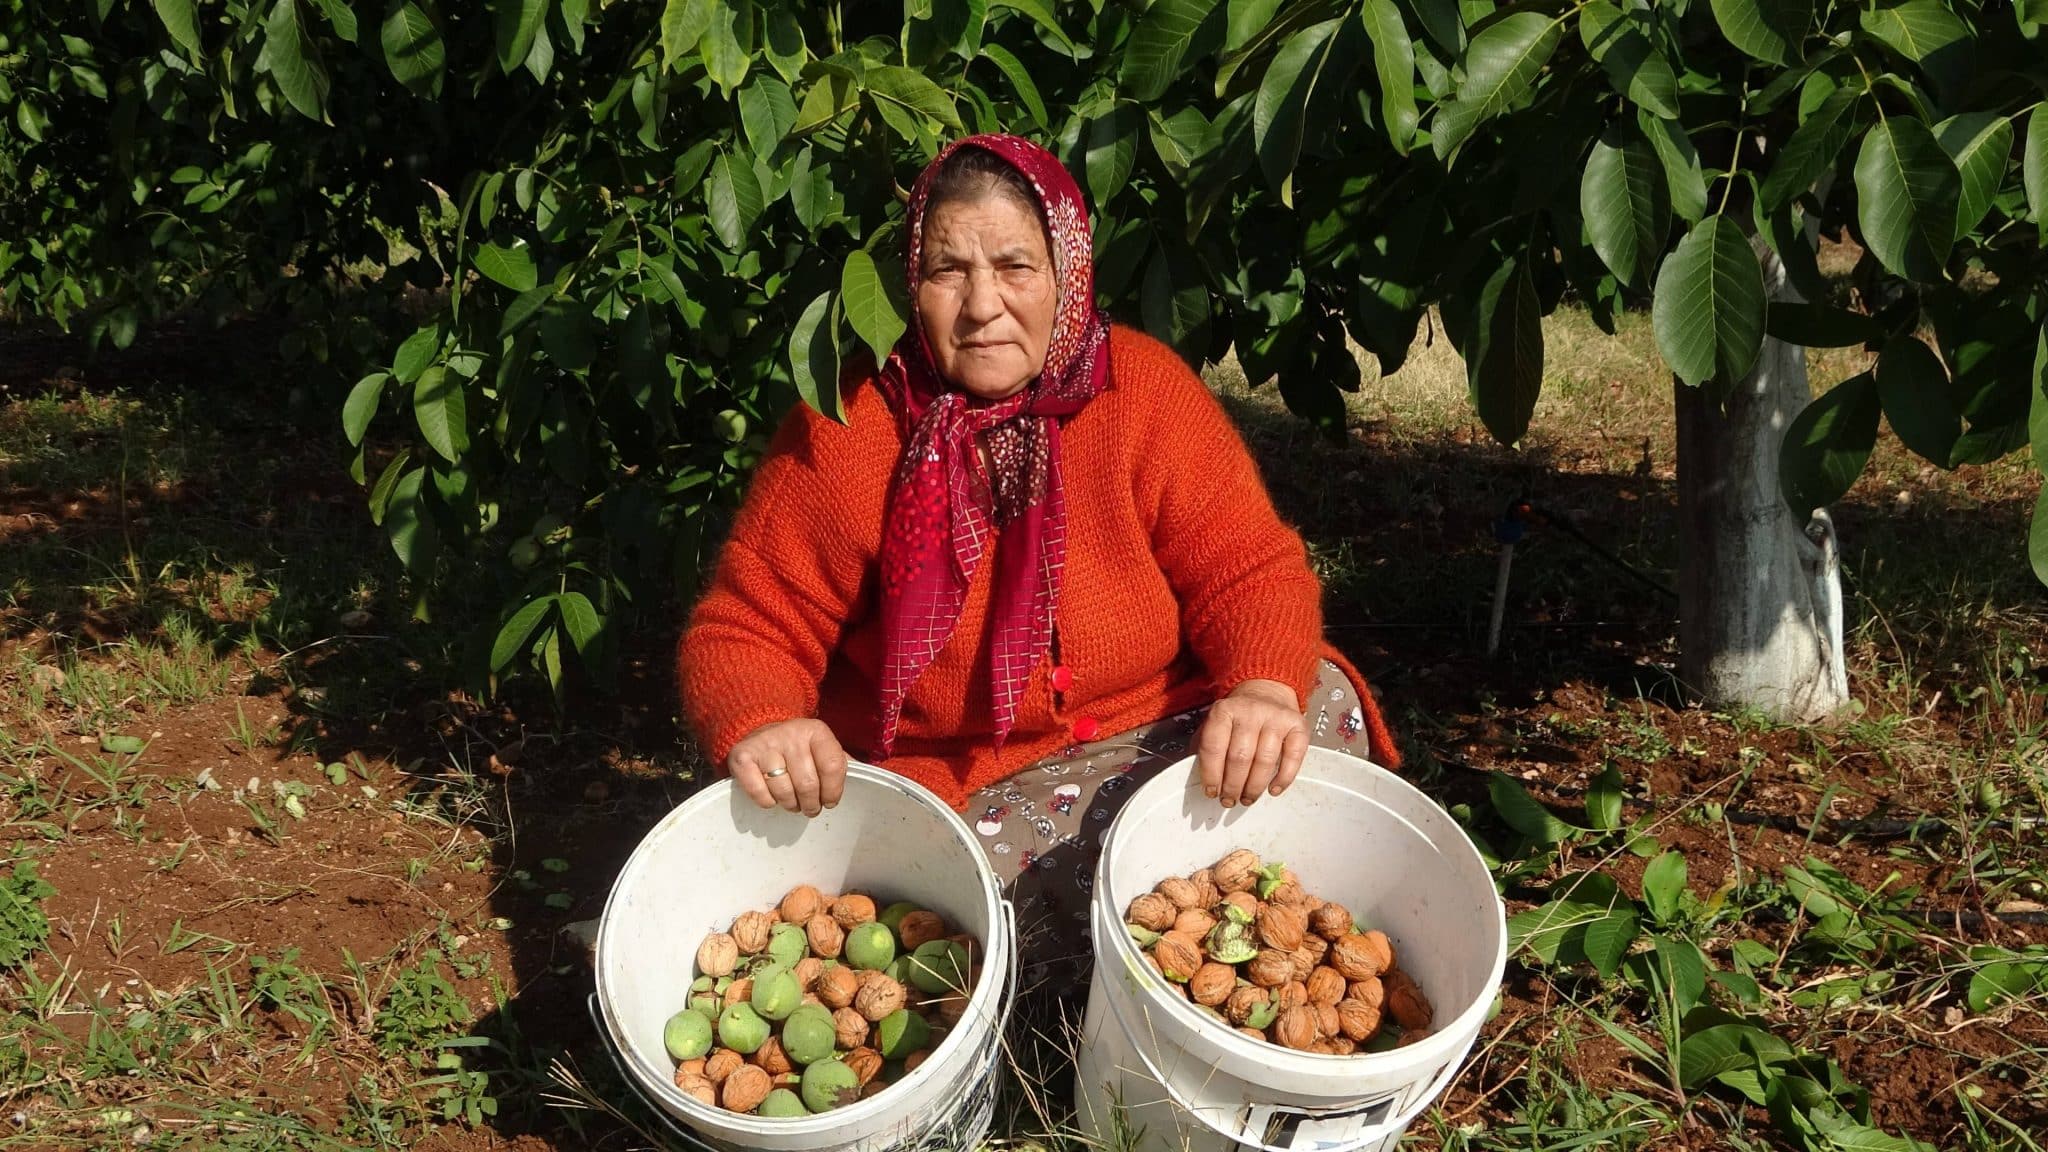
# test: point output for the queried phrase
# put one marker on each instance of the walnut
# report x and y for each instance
(827, 937)
(1212, 984)
(802, 903)
(1357, 1020)
(866, 977)
(1194, 922)
(744, 1090)
(878, 999)
(836, 986)
(717, 956)
(850, 1028)
(738, 990)
(1243, 1001)
(1325, 986)
(721, 1063)
(865, 1062)
(1178, 956)
(1369, 991)
(751, 932)
(1358, 956)
(1317, 946)
(1182, 893)
(920, 928)
(916, 1058)
(693, 1067)
(1293, 994)
(1289, 894)
(1271, 969)
(1295, 1029)
(696, 1087)
(1343, 1046)
(1205, 885)
(770, 1058)
(1327, 1022)
(807, 971)
(1281, 927)
(1244, 902)
(853, 910)
(1414, 1037)
(1332, 922)
(1304, 963)
(1406, 1001)
(1253, 1033)
(952, 1009)
(1152, 912)
(969, 943)
(1237, 872)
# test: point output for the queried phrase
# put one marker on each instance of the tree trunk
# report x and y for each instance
(1760, 618)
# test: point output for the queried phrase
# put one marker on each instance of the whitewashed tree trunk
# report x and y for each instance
(1760, 601)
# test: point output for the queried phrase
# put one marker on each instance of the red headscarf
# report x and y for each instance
(944, 508)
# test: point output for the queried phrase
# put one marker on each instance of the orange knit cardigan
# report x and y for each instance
(1181, 582)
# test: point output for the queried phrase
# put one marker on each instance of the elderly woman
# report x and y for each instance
(1033, 564)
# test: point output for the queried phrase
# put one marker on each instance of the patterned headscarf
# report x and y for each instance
(943, 510)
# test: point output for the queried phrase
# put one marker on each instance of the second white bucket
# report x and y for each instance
(1155, 1074)
(717, 855)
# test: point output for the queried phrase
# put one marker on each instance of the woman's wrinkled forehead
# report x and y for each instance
(968, 172)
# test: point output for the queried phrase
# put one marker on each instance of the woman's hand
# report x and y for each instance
(1252, 742)
(793, 764)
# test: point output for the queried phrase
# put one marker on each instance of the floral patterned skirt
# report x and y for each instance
(1042, 828)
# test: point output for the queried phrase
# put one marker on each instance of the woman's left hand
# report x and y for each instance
(1252, 743)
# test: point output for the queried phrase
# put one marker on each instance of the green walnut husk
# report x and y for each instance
(782, 1104)
(898, 970)
(1145, 937)
(1230, 943)
(1235, 915)
(939, 966)
(1262, 1015)
(708, 1005)
(741, 1029)
(703, 984)
(788, 944)
(687, 1035)
(1270, 879)
(777, 994)
(900, 1033)
(809, 1035)
(828, 1084)
(870, 946)
(892, 916)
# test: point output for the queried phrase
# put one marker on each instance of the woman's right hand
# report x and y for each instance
(793, 764)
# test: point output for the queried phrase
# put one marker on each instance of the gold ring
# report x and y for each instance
(774, 774)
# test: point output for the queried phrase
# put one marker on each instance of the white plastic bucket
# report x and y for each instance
(1155, 1068)
(718, 855)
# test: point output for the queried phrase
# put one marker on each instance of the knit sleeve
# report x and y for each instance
(1250, 605)
(781, 595)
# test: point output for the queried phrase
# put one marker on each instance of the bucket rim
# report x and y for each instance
(990, 1001)
(1443, 1042)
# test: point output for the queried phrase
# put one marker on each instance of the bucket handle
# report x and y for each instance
(1243, 1140)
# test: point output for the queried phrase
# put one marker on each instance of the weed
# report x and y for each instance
(421, 1008)
(23, 927)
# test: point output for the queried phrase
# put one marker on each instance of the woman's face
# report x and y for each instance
(986, 294)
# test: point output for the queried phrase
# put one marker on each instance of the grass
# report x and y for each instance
(320, 907)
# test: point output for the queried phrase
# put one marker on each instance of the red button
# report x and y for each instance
(1062, 678)
(1087, 728)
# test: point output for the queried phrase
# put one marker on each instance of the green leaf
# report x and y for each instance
(416, 353)
(412, 48)
(1828, 443)
(293, 61)
(912, 91)
(1918, 403)
(580, 618)
(1769, 30)
(179, 20)
(387, 483)
(1523, 813)
(1112, 151)
(873, 309)
(524, 308)
(727, 45)
(1622, 43)
(1393, 58)
(2037, 402)
(514, 25)
(1279, 112)
(1928, 34)
(2037, 537)
(361, 407)
(1819, 325)
(1603, 800)
(783, 44)
(1504, 366)
(1682, 175)
(1623, 200)
(1607, 940)
(1906, 194)
(833, 94)
(1020, 81)
(1555, 932)
(814, 358)
(1042, 14)
(1980, 143)
(1173, 298)
(1158, 44)
(733, 198)
(1812, 149)
(515, 632)
(511, 266)
(566, 336)
(122, 745)
(1708, 306)
(2034, 167)
(407, 524)
(767, 113)
(683, 24)
(1503, 60)
(438, 406)
(1663, 882)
